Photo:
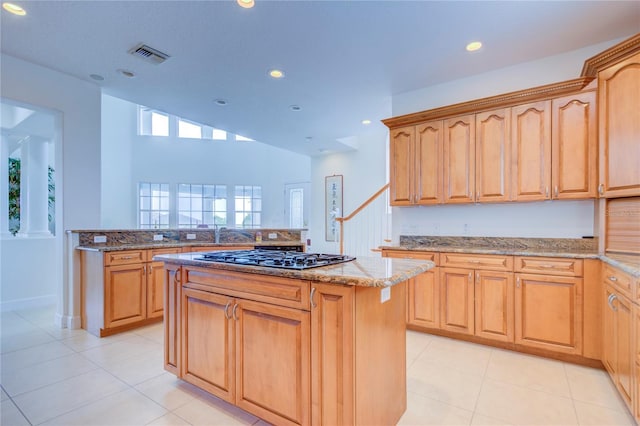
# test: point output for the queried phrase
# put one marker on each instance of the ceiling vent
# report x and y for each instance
(149, 54)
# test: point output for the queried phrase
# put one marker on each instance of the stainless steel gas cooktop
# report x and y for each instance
(275, 258)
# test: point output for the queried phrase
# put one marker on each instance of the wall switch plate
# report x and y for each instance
(100, 239)
(273, 235)
(385, 294)
(158, 237)
(191, 236)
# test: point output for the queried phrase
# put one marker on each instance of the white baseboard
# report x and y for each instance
(31, 302)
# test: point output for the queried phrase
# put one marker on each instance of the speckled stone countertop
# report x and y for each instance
(578, 248)
(179, 244)
(364, 271)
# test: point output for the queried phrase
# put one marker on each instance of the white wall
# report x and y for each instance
(118, 134)
(130, 159)
(77, 181)
(364, 173)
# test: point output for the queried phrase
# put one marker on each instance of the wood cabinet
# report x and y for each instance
(172, 316)
(549, 308)
(574, 146)
(493, 156)
(416, 165)
(459, 159)
(457, 300)
(121, 289)
(619, 128)
(241, 351)
(423, 291)
(531, 151)
(494, 305)
(636, 360)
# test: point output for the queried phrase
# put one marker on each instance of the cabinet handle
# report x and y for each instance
(150, 268)
(547, 266)
(518, 282)
(313, 293)
(470, 275)
(612, 297)
(233, 313)
(478, 278)
(601, 189)
(226, 309)
(546, 192)
(556, 191)
(126, 257)
(613, 278)
(144, 269)
(176, 277)
(474, 261)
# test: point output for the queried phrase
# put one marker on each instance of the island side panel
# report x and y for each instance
(380, 356)
(92, 291)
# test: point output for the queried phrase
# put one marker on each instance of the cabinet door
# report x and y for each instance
(619, 128)
(125, 299)
(494, 305)
(624, 348)
(636, 357)
(573, 145)
(332, 355)
(423, 302)
(459, 159)
(531, 151)
(171, 300)
(155, 289)
(549, 312)
(401, 166)
(609, 355)
(428, 166)
(456, 300)
(273, 374)
(493, 155)
(208, 343)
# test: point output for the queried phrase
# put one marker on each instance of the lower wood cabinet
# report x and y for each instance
(172, 301)
(125, 294)
(252, 354)
(457, 300)
(423, 299)
(549, 312)
(494, 305)
(636, 358)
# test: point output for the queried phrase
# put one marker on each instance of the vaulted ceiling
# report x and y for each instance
(343, 60)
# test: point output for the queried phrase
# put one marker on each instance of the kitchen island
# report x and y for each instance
(318, 346)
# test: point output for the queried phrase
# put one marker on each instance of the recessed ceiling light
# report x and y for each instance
(276, 73)
(365, 122)
(247, 4)
(97, 77)
(221, 102)
(14, 8)
(295, 107)
(126, 73)
(473, 46)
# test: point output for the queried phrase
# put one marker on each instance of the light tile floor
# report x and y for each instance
(51, 376)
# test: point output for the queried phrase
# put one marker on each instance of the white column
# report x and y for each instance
(34, 190)
(4, 187)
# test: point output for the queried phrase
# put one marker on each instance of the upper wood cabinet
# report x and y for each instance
(531, 151)
(493, 155)
(619, 128)
(459, 159)
(573, 158)
(416, 165)
(402, 171)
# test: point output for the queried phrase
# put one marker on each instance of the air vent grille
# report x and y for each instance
(149, 54)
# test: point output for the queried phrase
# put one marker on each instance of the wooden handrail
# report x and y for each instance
(342, 220)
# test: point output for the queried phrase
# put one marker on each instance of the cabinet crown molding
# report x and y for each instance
(610, 56)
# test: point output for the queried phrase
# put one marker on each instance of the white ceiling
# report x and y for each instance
(343, 60)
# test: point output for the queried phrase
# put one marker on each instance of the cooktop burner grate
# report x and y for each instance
(275, 258)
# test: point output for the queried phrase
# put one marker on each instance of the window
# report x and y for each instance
(202, 205)
(152, 123)
(154, 205)
(296, 209)
(189, 130)
(243, 139)
(219, 135)
(248, 206)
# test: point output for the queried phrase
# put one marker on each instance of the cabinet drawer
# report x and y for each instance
(289, 292)
(549, 266)
(124, 257)
(621, 281)
(477, 261)
(407, 254)
(154, 252)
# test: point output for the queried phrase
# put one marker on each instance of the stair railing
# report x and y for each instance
(344, 219)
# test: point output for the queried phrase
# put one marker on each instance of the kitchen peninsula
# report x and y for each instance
(324, 345)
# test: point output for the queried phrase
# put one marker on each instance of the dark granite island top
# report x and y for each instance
(364, 271)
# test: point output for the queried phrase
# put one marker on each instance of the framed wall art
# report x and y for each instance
(333, 206)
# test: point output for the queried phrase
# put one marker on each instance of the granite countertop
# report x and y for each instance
(175, 244)
(364, 271)
(545, 252)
